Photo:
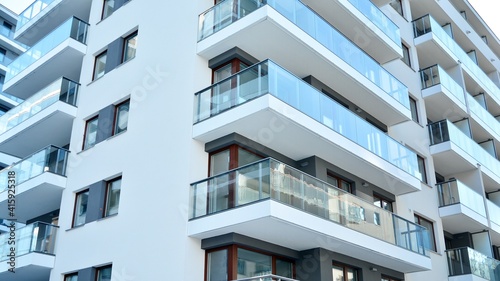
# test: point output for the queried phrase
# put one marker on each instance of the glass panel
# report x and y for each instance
(284, 268)
(464, 261)
(130, 48)
(454, 192)
(50, 159)
(267, 77)
(246, 157)
(104, 274)
(91, 133)
(338, 273)
(219, 162)
(100, 65)
(46, 44)
(121, 118)
(73, 277)
(109, 6)
(30, 12)
(81, 208)
(37, 237)
(217, 266)
(252, 264)
(224, 14)
(113, 197)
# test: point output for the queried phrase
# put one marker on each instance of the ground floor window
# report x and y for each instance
(234, 262)
(342, 272)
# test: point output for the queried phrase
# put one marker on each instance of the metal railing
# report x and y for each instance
(269, 78)
(229, 11)
(62, 89)
(51, 159)
(38, 237)
(269, 179)
(72, 28)
(455, 192)
(465, 261)
(267, 277)
(435, 75)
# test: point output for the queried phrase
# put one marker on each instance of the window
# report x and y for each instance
(80, 208)
(398, 6)
(421, 168)
(107, 10)
(71, 277)
(113, 188)
(121, 117)
(230, 158)
(406, 55)
(90, 137)
(247, 264)
(100, 65)
(344, 273)
(431, 243)
(413, 109)
(339, 183)
(129, 47)
(104, 273)
(383, 203)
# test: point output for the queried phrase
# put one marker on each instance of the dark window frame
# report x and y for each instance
(94, 73)
(232, 259)
(382, 199)
(421, 159)
(103, 16)
(98, 269)
(388, 278)
(86, 131)
(340, 180)
(414, 113)
(108, 185)
(71, 275)
(345, 267)
(418, 220)
(125, 44)
(75, 205)
(400, 6)
(406, 59)
(115, 117)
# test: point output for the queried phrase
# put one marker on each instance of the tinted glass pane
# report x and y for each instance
(104, 274)
(252, 264)
(113, 197)
(246, 157)
(217, 266)
(130, 48)
(91, 133)
(121, 118)
(81, 208)
(284, 268)
(100, 65)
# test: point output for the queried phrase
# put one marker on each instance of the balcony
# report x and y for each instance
(439, 46)
(329, 55)
(487, 126)
(461, 208)
(469, 263)
(43, 16)
(267, 277)
(274, 106)
(494, 215)
(52, 107)
(441, 93)
(7, 39)
(364, 24)
(58, 54)
(34, 252)
(40, 181)
(454, 152)
(267, 198)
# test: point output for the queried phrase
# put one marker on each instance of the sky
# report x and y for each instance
(488, 9)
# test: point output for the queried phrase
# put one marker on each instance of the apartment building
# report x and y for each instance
(224, 140)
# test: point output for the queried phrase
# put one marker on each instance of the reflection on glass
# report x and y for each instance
(252, 264)
(217, 266)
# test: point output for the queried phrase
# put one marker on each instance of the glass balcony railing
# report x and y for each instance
(38, 237)
(7, 32)
(269, 78)
(455, 192)
(269, 179)
(435, 75)
(427, 24)
(51, 159)
(266, 277)
(465, 261)
(493, 212)
(378, 18)
(483, 114)
(61, 90)
(34, 9)
(227, 12)
(72, 28)
(444, 131)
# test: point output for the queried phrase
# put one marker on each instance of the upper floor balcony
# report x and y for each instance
(494, 215)
(363, 23)
(441, 93)
(263, 29)
(7, 40)
(468, 264)
(24, 128)
(461, 208)
(40, 180)
(43, 16)
(58, 54)
(485, 125)
(440, 47)
(268, 103)
(34, 252)
(267, 198)
(455, 152)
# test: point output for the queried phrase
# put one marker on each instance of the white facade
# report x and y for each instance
(131, 126)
